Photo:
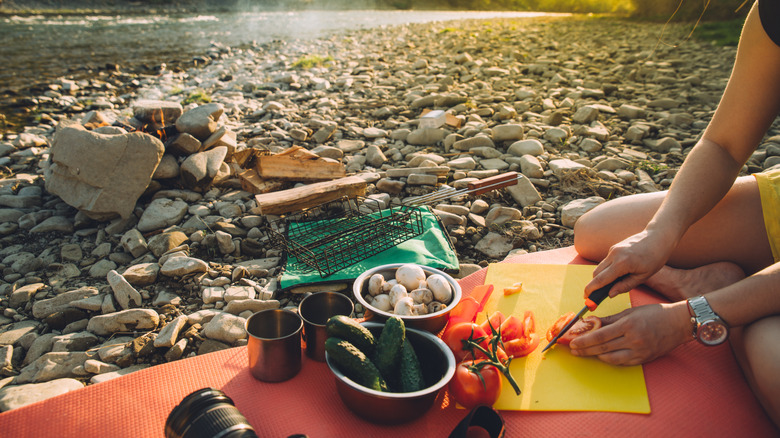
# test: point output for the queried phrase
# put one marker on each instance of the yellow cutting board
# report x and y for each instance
(559, 381)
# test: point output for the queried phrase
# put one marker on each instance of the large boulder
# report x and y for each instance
(101, 175)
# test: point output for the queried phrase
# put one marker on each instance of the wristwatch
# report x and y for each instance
(708, 327)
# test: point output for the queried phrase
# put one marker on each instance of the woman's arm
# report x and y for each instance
(750, 103)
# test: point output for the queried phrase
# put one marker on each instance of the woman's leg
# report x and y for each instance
(758, 353)
(733, 231)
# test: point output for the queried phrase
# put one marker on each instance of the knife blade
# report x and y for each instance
(593, 300)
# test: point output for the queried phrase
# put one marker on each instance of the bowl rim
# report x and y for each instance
(441, 383)
(457, 292)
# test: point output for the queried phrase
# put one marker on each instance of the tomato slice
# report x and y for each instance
(523, 346)
(585, 325)
(559, 325)
(470, 390)
(495, 320)
(519, 336)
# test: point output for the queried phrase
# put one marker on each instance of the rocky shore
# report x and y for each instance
(585, 109)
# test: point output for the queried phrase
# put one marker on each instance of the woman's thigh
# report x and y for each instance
(732, 231)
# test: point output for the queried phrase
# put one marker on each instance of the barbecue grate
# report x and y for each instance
(332, 236)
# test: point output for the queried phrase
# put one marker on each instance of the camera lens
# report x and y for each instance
(207, 413)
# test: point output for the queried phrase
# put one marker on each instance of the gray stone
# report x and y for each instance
(123, 321)
(162, 213)
(16, 396)
(572, 211)
(101, 175)
(201, 121)
(226, 328)
(526, 147)
(43, 308)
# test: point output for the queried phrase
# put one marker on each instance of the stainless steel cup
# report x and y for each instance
(274, 344)
(315, 310)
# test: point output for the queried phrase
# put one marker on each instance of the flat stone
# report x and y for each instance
(16, 396)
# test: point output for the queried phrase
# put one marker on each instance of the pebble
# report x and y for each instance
(177, 272)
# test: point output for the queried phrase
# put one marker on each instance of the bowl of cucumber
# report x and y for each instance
(410, 379)
(420, 295)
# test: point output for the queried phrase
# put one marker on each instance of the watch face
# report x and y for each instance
(713, 332)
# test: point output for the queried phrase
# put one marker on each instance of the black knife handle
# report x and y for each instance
(598, 295)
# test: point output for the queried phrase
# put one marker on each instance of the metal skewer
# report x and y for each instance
(476, 187)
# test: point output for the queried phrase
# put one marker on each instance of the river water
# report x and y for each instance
(37, 49)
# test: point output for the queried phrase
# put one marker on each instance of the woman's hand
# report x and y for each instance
(637, 335)
(635, 258)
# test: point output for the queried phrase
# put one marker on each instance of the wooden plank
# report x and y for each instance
(299, 164)
(299, 198)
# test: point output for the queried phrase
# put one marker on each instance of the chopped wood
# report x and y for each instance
(252, 183)
(312, 195)
(298, 164)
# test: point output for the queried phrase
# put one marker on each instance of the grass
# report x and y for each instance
(721, 33)
(197, 96)
(311, 61)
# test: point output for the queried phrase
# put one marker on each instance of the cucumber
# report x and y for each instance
(354, 363)
(411, 373)
(387, 354)
(350, 330)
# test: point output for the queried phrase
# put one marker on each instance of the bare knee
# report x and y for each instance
(600, 228)
(762, 354)
(590, 236)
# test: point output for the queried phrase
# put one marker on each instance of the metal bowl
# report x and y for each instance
(438, 367)
(432, 322)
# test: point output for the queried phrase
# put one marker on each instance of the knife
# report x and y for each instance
(593, 300)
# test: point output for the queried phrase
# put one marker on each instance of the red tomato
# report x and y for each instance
(559, 324)
(469, 390)
(515, 328)
(585, 325)
(465, 311)
(523, 346)
(520, 337)
(454, 336)
(495, 320)
(589, 323)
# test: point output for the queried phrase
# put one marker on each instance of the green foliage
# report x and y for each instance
(311, 61)
(197, 96)
(722, 33)
(651, 167)
(690, 10)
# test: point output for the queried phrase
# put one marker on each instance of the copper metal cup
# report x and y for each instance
(315, 310)
(274, 344)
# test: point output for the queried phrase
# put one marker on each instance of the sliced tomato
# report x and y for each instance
(559, 325)
(470, 390)
(495, 320)
(523, 346)
(519, 336)
(585, 325)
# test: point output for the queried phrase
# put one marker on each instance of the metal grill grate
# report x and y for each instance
(341, 233)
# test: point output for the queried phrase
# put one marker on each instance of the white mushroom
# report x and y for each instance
(375, 284)
(410, 276)
(436, 306)
(387, 285)
(442, 291)
(398, 292)
(421, 296)
(382, 302)
(404, 306)
(420, 309)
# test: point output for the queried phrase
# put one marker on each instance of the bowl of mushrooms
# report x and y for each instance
(420, 295)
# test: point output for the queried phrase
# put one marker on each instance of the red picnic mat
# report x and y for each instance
(694, 391)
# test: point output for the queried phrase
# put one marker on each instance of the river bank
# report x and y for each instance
(582, 115)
